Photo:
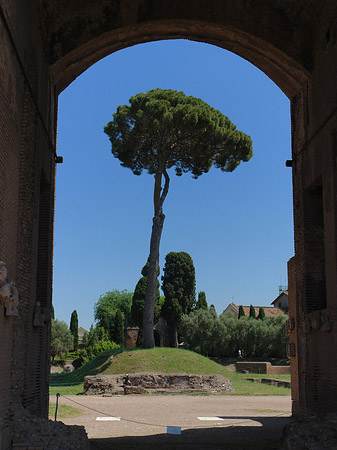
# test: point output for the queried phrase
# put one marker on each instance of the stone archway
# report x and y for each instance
(46, 46)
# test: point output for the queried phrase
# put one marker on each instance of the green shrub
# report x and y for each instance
(90, 352)
(204, 333)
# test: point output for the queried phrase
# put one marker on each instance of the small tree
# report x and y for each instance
(201, 302)
(61, 338)
(262, 314)
(74, 329)
(97, 334)
(162, 129)
(252, 313)
(241, 312)
(107, 306)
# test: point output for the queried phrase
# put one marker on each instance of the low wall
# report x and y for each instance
(271, 381)
(139, 383)
(261, 367)
(279, 370)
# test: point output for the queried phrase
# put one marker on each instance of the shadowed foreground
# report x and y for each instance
(265, 437)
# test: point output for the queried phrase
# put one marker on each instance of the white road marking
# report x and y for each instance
(108, 418)
(210, 418)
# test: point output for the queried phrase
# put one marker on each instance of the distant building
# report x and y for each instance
(81, 332)
(269, 311)
(281, 301)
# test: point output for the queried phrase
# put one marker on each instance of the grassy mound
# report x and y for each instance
(165, 360)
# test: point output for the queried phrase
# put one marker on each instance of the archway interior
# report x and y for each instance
(237, 227)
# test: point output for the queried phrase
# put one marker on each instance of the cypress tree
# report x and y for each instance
(262, 314)
(241, 312)
(252, 313)
(179, 289)
(202, 302)
(74, 329)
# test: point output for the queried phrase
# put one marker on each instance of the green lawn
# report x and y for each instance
(166, 360)
(63, 411)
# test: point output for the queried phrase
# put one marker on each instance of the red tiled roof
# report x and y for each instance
(269, 311)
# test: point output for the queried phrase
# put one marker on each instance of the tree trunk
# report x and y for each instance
(152, 275)
(151, 286)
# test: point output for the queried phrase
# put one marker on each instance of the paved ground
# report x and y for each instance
(206, 422)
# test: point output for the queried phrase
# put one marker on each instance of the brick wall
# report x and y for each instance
(26, 137)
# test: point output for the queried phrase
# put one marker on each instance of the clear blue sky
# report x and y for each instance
(238, 226)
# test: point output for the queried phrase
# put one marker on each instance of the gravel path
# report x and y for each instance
(215, 421)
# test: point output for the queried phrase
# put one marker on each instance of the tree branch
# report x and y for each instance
(166, 188)
(156, 194)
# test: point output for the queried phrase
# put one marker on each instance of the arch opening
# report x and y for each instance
(286, 72)
(281, 151)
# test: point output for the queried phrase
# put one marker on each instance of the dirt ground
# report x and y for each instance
(205, 422)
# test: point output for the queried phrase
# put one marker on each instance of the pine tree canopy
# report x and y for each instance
(166, 128)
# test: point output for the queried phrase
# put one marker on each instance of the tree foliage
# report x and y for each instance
(74, 329)
(262, 314)
(241, 312)
(252, 313)
(212, 311)
(162, 129)
(214, 336)
(108, 305)
(95, 342)
(118, 328)
(61, 338)
(201, 302)
(178, 287)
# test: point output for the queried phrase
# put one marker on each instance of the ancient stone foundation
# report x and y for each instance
(32, 433)
(140, 383)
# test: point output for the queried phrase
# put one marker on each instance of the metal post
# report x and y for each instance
(57, 405)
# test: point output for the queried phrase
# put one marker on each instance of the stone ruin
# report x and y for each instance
(140, 383)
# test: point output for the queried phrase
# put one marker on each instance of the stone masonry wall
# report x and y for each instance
(138, 383)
